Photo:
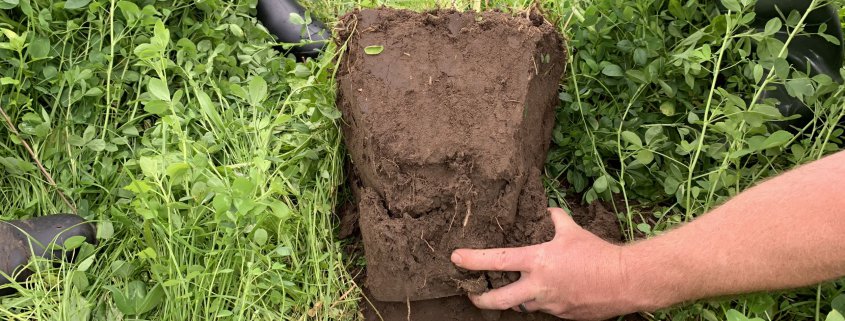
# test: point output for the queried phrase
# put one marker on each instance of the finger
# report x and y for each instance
(562, 221)
(509, 259)
(530, 306)
(505, 297)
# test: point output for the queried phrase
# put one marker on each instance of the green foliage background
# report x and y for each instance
(211, 163)
(661, 117)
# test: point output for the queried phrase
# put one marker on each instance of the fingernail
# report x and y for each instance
(456, 258)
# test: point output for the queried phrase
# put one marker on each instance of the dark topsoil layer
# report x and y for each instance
(447, 129)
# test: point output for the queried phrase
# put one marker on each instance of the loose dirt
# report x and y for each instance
(448, 128)
(597, 219)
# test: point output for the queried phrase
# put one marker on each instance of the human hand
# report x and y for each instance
(577, 275)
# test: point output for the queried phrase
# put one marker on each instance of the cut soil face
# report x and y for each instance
(595, 218)
(447, 128)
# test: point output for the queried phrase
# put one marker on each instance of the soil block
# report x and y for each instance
(595, 218)
(447, 117)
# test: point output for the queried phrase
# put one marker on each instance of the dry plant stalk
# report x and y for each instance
(35, 159)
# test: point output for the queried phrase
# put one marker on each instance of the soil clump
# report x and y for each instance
(447, 117)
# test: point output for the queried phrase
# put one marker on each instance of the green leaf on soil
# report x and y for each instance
(373, 50)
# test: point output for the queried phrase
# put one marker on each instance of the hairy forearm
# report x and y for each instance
(783, 233)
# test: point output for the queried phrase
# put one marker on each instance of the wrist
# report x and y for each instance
(647, 278)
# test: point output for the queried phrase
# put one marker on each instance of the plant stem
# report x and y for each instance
(35, 159)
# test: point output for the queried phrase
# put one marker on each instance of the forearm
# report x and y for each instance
(784, 233)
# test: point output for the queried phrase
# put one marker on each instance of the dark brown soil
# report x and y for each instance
(448, 128)
(456, 308)
(595, 218)
(453, 309)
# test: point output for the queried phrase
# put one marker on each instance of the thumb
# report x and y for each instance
(563, 222)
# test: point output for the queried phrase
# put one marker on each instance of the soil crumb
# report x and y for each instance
(447, 117)
(597, 219)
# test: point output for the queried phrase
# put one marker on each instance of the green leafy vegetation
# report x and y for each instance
(211, 163)
(662, 117)
(208, 160)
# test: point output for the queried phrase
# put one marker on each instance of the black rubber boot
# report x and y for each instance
(806, 52)
(275, 16)
(20, 239)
